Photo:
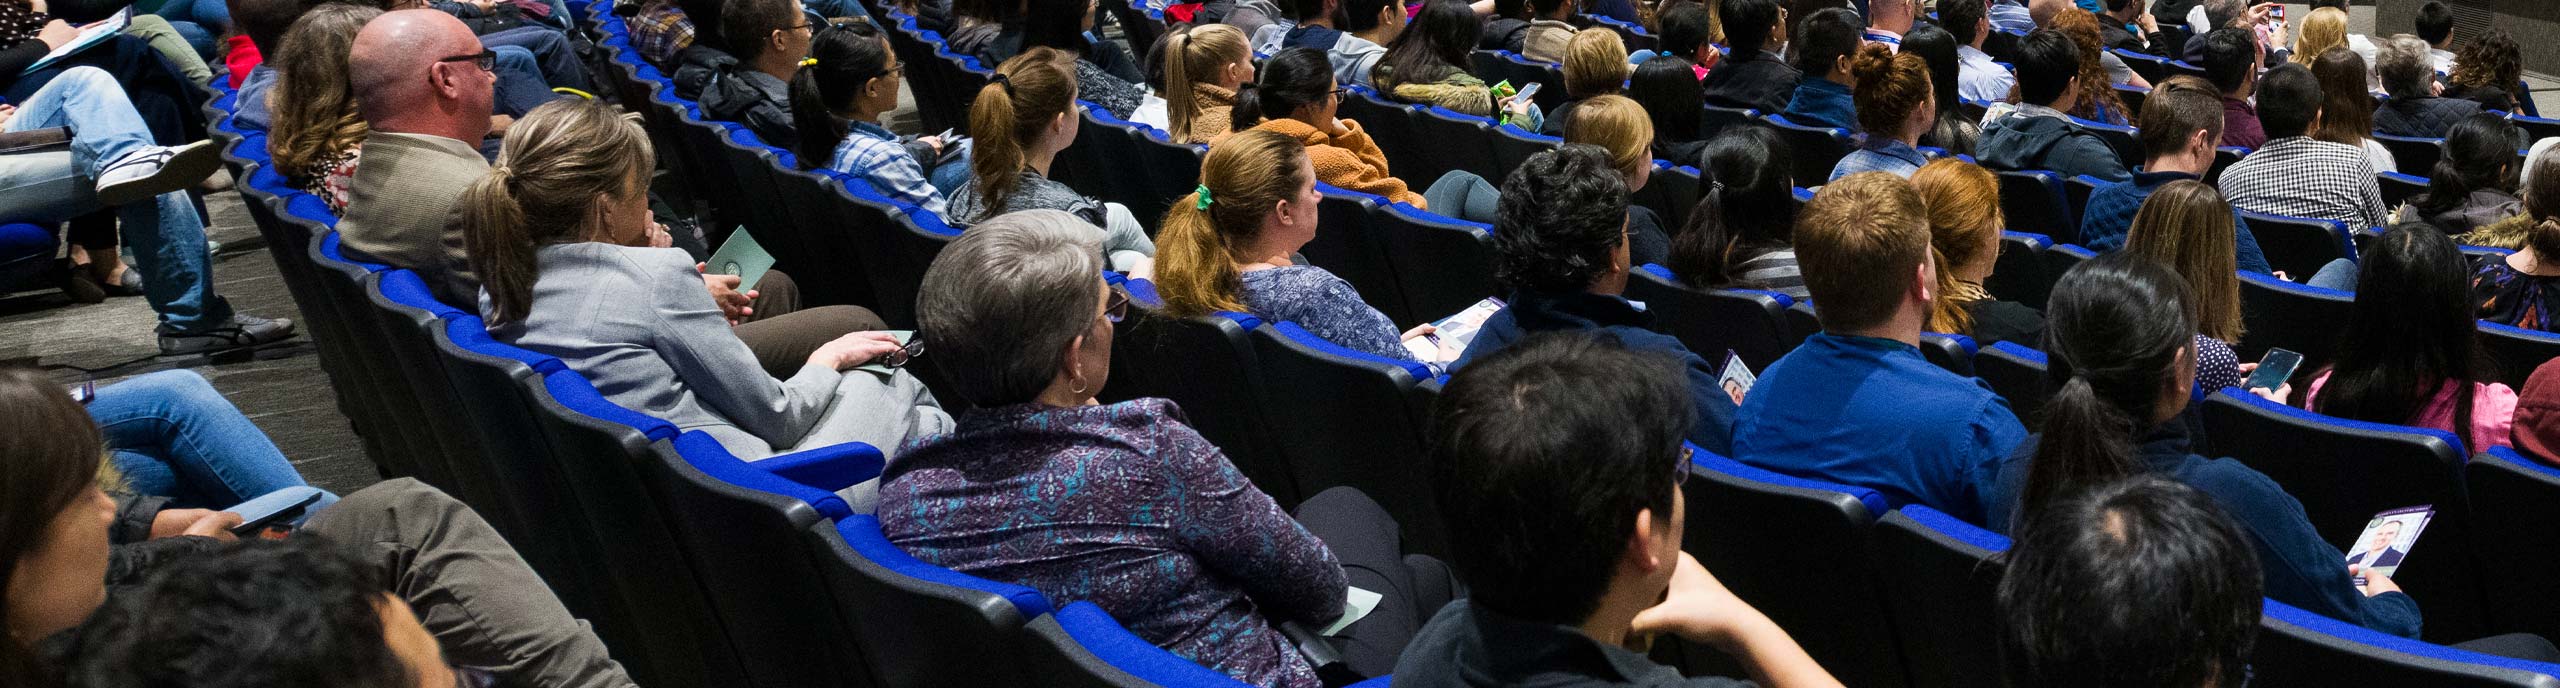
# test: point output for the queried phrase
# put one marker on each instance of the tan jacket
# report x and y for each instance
(400, 209)
(1216, 106)
(1350, 161)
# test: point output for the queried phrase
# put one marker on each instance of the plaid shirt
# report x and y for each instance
(2302, 177)
(660, 32)
(874, 154)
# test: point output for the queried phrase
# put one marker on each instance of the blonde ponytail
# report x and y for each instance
(557, 161)
(1028, 92)
(1189, 56)
(494, 237)
(1243, 180)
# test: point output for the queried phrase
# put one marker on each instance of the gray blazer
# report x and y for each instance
(638, 323)
(400, 208)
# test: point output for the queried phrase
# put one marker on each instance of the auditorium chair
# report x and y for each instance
(2300, 245)
(1511, 148)
(2015, 372)
(1941, 581)
(1748, 322)
(1443, 265)
(1497, 66)
(406, 313)
(2305, 319)
(1347, 418)
(2517, 351)
(705, 142)
(1802, 323)
(1816, 149)
(895, 243)
(931, 82)
(1081, 646)
(2346, 471)
(2184, 68)
(411, 449)
(1800, 551)
(2033, 201)
(2299, 648)
(2152, 68)
(1347, 245)
(265, 193)
(2535, 128)
(2061, 258)
(1101, 163)
(2075, 195)
(1142, 26)
(2119, 138)
(1632, 34)
(1205, 365)
(1953, 352)
(1718, 119)
(1390, 125)
(2510, 496)
(1671, 193)
(2412, 153)
(2133, 96)
(919, 624)
(1167, 172)
(1448, 141)
(2019, 273)
(785, 231)
(2398, 188)
(2222, 159)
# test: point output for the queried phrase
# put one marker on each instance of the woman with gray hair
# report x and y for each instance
(1122, 505)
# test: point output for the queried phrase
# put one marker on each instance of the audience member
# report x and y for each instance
(2296, 175)
(1428, 63)
(2490, 70)
(1740, 234)
(1670, 98)
(263, 24)
(2100, 72)
(2536, 431)
(1757, 76)
(1024, 329)
(179, 445)
(1689, 31)
(1576, 427)
(1507, 28)
(2180, 127)
(2132, 583)
(318, 132)
(2187, 227)
(1204, 64)
(1020, 123)
(1857, 404)
(2408, 355)
(1105, 75)
(2469, 188)
(769, 38)
(660, 32)
(1963, 204)
(1231, 246)
(1595, 64)
(2038, 135)
(1982, 78)
(1826, 55)
(1896, 105)
(423, 89)
(2256, 20)
(68, 548)
(2511, 233)
(974, 23)
(1888, 21)
(1550, 28)
(1296, 97)
(1562, 247)
(2323, 29)
(2435, 27)
(2346, 107)
(2129, 25)
(555, 60)
(1621, 128)
(575, 266)
(1954, 130)
(2519, 290)
(2414, 109)
(2363, 45)
(2231, 59)
(837, 100)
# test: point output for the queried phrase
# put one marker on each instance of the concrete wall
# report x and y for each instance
(2533, 23)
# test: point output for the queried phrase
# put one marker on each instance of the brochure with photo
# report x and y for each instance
(1737, 378)
(1451, 335)
(740, 256)
(2387, 538)
(91, 34)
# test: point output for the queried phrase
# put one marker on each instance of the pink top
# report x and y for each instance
(242, 58)
(2493, 412)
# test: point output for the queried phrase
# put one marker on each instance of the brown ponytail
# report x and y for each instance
(1029, 91)
(1964, 204)
(1188, 56)
(2542, 206)
(557, 161)
(1247, 175)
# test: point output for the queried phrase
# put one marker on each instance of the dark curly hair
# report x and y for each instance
(1561, 215)
(294, 613)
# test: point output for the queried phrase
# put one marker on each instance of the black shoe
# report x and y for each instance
(244, 331)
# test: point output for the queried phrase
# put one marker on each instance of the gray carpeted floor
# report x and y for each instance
(282, 390)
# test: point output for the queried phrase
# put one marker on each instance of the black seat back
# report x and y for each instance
(2412, 153)
(2509, 491)
(1941, 579)
(1497, 66)
(1345, 418)
(2033, 201)
(2517, 351)
(2019, 274)
(2299, 648)
(920, 624)
(2305, 319)
(1817, 149)
(2398, 188)
(1954, 352)
(1752, 324)
(1442, 265)
(1207, 367)
(1800, 551)
(2016, 372)
(742, 529)
(1347, 244)
(2300, 245)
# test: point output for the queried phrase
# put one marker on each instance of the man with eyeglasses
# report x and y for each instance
(768, 38)
(422, 84)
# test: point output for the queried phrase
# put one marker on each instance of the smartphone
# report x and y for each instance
(2273, 370)
(2278, 12)
(270, 508)
(1527, 92)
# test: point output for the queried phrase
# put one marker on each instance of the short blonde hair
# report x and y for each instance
(1617, 124)
(1595, 63)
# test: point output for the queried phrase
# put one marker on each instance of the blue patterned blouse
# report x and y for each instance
(1327, 306)
(1127, 507)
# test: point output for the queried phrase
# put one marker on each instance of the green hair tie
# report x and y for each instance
(1205, 200)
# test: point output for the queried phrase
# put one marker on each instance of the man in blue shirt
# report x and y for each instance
(1830, 43)
(1561, 236)
(2181, 127)
(1857, 404)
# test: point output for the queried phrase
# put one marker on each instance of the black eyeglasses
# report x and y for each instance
(1118, 308)
(1341, 92)
(486, 60)
(906, 353)
(1688, 456)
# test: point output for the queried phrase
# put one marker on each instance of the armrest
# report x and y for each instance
(1318, 651)
(829, 468)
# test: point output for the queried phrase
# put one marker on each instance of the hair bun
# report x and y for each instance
(1873, 61)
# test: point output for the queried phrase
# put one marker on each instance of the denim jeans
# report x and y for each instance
(174, 436)
(520, 85)
(165, 233)
(561, 67)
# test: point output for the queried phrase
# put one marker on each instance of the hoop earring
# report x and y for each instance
(1077, 387)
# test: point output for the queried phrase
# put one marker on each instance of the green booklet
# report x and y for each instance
(740, 256)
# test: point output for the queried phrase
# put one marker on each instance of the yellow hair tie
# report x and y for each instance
(564, 90)
(806, 61)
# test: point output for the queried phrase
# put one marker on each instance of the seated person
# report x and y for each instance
(1670, 99)
(1355, 47)
(1595, 65)
(1204, 64)
(853, 82)
(1621, 127)
(1954, 128)
(2536, 432)
(575, 266)
(1739, 235)
(1020, 123)
(111, 163)
(2098, 102)
(1105, 75)
(1757, 75)
(262, 23)
(1826, 54)
(1585, 433)
(1857, 404)
(318, 133)
(1896, 105)
(1428, 63)
(2414, 109)
(1296, 97)
(2295, 174)
(556, 59)
(170, 434)
(1231, 246)
(2490, 67)
(1562, 243)
(1023, 325)
(769, 39)
(2183, 227)
(2473, 183)
(2407, 355)
(2519, 290)
(72, 551)
(1963, 201)
(2347, 106)
(1688, 31)
(2181, 127)
(2231, 59)
(2071, 617)
(660, 31)
(1981, 77)
(1549, 30)
(2038, 135)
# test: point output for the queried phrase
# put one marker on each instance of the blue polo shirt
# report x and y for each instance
(1873, 413)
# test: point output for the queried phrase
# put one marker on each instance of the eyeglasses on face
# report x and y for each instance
(486, 60)
(1118, 308)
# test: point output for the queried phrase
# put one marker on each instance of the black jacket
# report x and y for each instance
(1760, 82)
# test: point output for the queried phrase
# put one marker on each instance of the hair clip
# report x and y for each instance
(808, 61)
(1205, 199)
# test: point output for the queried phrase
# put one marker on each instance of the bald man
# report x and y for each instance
(422, 84)
(2045, 10)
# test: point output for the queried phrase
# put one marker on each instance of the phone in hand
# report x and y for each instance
(2273, 369)
(1527, 92)
(270, 508)
(2278, 12)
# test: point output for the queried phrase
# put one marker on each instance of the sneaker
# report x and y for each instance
(244, 331)
(157, 170)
